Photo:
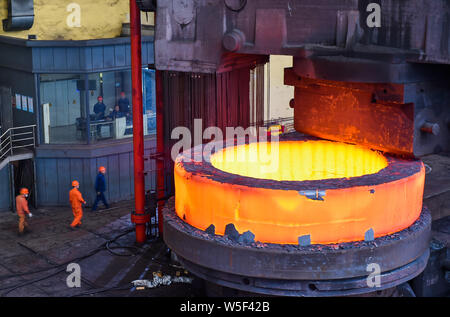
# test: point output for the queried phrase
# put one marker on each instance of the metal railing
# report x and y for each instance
(287, 122)
(17, 138)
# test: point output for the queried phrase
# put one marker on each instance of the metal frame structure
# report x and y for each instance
(12, 140)
(330, 41)
(291, 270)
(138, 217)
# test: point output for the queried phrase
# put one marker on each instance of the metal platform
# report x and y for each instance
(292, 270)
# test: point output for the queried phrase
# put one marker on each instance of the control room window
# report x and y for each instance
(62, 101)
(65, 113)
(149, 99)
(111, 106)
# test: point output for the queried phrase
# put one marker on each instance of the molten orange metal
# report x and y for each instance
(299, 161)
(277, 215)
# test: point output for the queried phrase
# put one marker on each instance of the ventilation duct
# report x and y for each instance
(20, 15)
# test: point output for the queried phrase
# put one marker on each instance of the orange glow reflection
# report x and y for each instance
(281, 216)
(299, 161)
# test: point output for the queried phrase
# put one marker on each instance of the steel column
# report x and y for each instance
(138, 217)
(87, 108)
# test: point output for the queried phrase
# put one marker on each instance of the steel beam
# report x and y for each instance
(138, 217)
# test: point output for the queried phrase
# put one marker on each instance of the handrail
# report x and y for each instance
(22, 133)
(9, 141)
(24, 139)
(18, 128)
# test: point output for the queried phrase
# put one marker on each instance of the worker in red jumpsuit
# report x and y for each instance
(22, 209)
(76, 201)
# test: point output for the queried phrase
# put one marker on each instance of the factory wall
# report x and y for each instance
(98, 19)
(20, 83)
(64, 99)
(56, 169)
(280, 94)
(4, 189)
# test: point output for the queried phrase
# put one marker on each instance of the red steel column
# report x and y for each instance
(138, 132)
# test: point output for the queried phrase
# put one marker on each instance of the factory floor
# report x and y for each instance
(36, 263)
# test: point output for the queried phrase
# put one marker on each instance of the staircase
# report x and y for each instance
(17, 144)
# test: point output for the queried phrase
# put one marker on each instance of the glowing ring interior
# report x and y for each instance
(329, 193)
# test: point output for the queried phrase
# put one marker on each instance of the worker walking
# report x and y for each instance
(100, 188)
(76, 200)
(22, 208)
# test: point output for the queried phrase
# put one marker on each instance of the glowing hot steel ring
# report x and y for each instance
(384, 199)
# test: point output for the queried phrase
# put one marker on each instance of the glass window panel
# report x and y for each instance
(149, 99)
(110, 105)
(62, 99)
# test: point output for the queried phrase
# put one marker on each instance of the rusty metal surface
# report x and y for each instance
(288, 269)
(342, 287)
(279, 261)
(412, 30)
(436, 195)
(384, 116)
(360, 68)
(433, 281)
(430, 106)
(374, 115)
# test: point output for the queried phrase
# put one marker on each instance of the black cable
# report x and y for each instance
(100, 248)
(95, 251)
(30, 282)
(110, 249)
(3, 277)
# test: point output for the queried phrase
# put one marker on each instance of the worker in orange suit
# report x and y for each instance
(22, 209)
(76, 200)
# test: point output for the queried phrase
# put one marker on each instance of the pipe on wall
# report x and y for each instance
(20, 15)
(138, 217)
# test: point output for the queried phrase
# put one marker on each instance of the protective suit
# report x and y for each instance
(76, 201)
(22, 209)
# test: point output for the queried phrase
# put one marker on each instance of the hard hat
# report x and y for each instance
(24, 191)
(275, 129)
(75, 183)
(102, 169)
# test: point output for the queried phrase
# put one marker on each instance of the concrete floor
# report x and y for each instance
(51, 245)
(35, 264)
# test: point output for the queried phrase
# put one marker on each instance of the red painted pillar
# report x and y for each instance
(138, 217)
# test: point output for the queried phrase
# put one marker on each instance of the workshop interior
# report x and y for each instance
(352, 98)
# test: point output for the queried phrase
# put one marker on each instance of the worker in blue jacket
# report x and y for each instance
(99, 109)
(100, 188)
(124, 104)
(115, 114)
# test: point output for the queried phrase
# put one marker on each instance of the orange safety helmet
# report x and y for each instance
(75, 183)
(24, 191)
(102, 169)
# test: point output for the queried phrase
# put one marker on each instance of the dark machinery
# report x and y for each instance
(20, 15)
(373, 73)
